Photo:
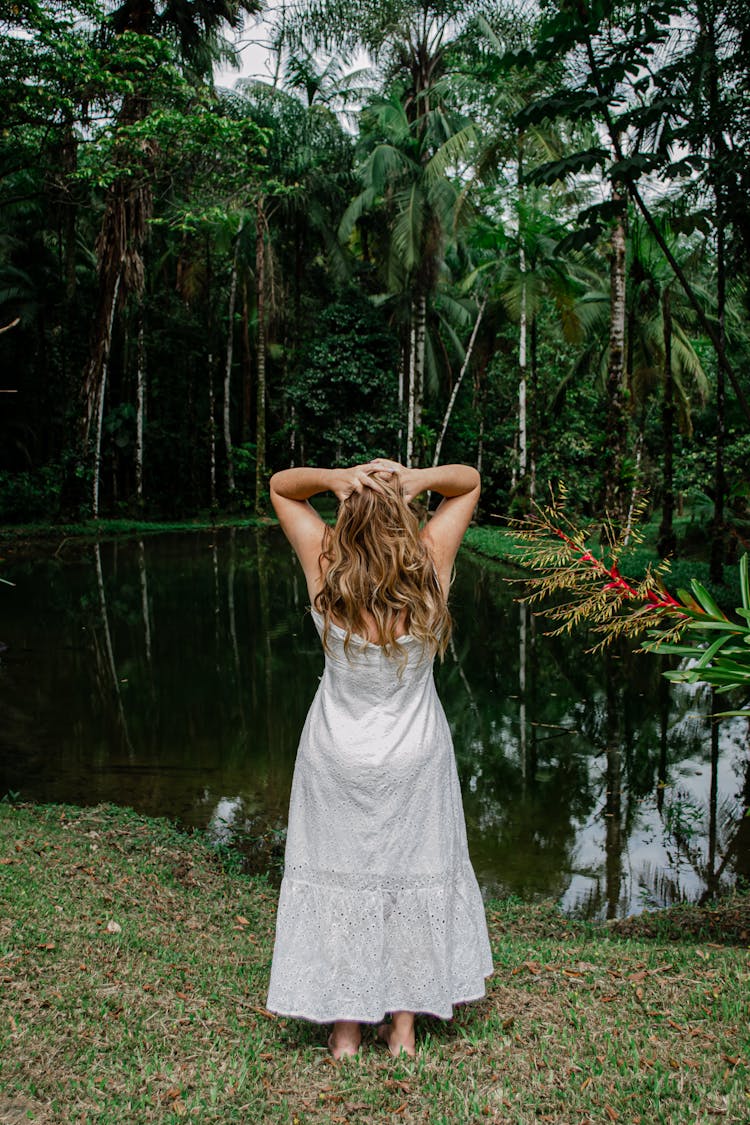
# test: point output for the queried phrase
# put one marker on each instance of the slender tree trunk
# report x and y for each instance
(616, 425)
(717, 541)
(402, 381)
(140, 408)
(419, 355)
(212, 431)
(482, 408)
(667, 542)
(534, 412)
(411, 409)
(523, 623)
(100, 407)
(247, 369)
(457, 386)
(260, 419)
(228, 368)
(636, 478)
(522, 420)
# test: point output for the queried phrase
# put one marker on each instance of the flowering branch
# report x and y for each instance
(560, 559)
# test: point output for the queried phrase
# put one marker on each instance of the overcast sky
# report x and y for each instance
(255, 57)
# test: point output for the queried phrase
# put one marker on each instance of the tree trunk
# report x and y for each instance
(457, 385)
(616, 424)
(411, 409)
(212, 432)
(419, 353)
(534, 412)
(667, 542)
(717, 540)
(228, 368)
(260, 419)
(140, 409)
(403, 376)
(522, 421)
(100, 407)
(247, 369)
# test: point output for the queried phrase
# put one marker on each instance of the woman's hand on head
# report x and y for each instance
(412, 480)
(354, 479)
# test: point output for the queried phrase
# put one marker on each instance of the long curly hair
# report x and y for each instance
(377, 562)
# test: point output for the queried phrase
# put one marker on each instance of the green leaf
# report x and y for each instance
(706, 600)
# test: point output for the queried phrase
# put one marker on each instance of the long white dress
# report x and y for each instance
(379, 908)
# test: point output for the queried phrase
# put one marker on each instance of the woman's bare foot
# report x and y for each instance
(399, 1034)
(344, 1039)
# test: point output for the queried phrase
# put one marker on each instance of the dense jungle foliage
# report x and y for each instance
(520, 239)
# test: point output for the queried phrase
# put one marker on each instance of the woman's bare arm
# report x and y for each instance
(291, 490)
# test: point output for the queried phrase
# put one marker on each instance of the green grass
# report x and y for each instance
(109, 528)
(161, 1018)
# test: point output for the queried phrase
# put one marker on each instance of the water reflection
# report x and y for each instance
(173, 674)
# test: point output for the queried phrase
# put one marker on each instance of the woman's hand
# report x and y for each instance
(354, 479)
(412, 480)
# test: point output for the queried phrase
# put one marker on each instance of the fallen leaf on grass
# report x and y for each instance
(611, 1113)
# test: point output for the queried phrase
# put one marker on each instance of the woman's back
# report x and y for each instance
(379, 908)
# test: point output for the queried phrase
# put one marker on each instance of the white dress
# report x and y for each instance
(379, 908)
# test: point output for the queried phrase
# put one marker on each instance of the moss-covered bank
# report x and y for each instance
(133, 966)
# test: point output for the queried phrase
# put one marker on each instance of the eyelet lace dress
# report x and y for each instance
(379, 908)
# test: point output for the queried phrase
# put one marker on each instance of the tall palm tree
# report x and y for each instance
(406, 175)
(409, 41)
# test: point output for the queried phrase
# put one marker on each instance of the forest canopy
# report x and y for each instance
(519, 239)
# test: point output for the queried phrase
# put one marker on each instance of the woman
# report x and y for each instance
(379, 910)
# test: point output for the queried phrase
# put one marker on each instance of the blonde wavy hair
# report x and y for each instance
(378, 562)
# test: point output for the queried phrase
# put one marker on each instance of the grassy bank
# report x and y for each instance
(133, 966)
(15, 536)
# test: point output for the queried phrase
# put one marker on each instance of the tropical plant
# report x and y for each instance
(563, 558)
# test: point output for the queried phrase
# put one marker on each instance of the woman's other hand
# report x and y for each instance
(412, 480)
(354, 479)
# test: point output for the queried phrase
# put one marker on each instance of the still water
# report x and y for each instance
(173, 674)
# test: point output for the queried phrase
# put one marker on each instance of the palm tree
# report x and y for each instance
(406, 176)
(406, 172)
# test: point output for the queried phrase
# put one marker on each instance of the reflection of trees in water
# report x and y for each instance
(547, 745)
(523, 786)
(616, 711)
(107, 659)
